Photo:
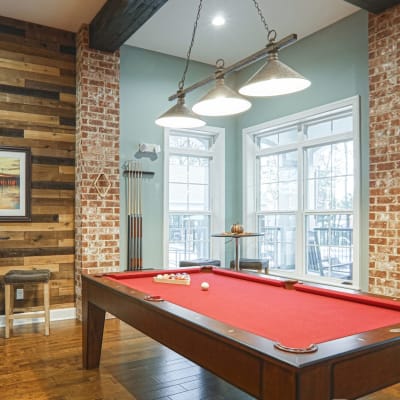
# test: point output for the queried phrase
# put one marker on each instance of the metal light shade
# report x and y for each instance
(274, 78)
(221, 101)
(179, 116)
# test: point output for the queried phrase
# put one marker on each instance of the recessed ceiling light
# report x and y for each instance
(218, 20)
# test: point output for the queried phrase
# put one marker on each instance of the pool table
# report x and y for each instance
(274, 339)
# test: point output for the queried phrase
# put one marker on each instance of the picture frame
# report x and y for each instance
(15, 183)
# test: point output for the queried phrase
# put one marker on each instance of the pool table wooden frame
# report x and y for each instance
(345, 368)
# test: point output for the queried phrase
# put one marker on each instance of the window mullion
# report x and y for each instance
(300, 232)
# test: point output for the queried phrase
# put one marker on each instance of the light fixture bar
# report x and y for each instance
(286, 41)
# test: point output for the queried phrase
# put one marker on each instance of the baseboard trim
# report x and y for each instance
(55, 315)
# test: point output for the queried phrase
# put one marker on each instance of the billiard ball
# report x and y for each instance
(204, 286)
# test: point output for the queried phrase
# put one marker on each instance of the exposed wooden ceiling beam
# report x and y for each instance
(118, 20)
(374, 6)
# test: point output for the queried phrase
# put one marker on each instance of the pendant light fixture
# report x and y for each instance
(221, 100)
(272, 79)
(180, 116)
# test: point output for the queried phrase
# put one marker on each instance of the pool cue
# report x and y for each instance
(135, 229)
(132, 216)
(127, 211)
(138, 217)
(140, 233)
(129, 207)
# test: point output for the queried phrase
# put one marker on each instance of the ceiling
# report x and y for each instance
(63, 14)
(169, 30)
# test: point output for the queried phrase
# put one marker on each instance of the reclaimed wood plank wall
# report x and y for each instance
(37, 110)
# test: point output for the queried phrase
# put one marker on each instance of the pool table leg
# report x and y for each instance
(92, 334)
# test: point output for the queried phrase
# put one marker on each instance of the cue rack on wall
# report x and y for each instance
(134, 175)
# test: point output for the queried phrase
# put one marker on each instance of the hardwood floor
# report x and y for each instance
(133, 367)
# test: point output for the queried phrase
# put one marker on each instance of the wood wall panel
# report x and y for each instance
(23, 76)
(36, 59)
(37, 110)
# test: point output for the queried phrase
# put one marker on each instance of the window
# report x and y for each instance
(303, 169)
(194, 199)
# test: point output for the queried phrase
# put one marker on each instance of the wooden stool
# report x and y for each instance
(20, 277)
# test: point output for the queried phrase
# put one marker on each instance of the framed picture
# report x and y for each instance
(15, 183)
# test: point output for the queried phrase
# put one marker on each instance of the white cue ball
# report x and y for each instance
(204, 286)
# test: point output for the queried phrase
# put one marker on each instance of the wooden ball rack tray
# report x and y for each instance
(173, 281)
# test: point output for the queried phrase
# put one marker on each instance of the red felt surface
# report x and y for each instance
(291, 317)
(359, 298)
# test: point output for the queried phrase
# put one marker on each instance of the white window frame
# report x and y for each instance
(250, 152)
(217, 185)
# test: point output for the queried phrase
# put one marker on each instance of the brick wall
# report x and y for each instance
(384, 216)
(97, 162)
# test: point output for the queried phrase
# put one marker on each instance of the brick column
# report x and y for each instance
(384, 216)
(97, 198)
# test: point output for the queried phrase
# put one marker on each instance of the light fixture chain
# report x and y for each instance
(257, 6)
(182, 81)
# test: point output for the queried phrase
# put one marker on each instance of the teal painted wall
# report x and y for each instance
(334, 59)
(147, 80)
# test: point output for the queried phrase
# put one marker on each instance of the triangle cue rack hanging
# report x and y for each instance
(134, 174)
